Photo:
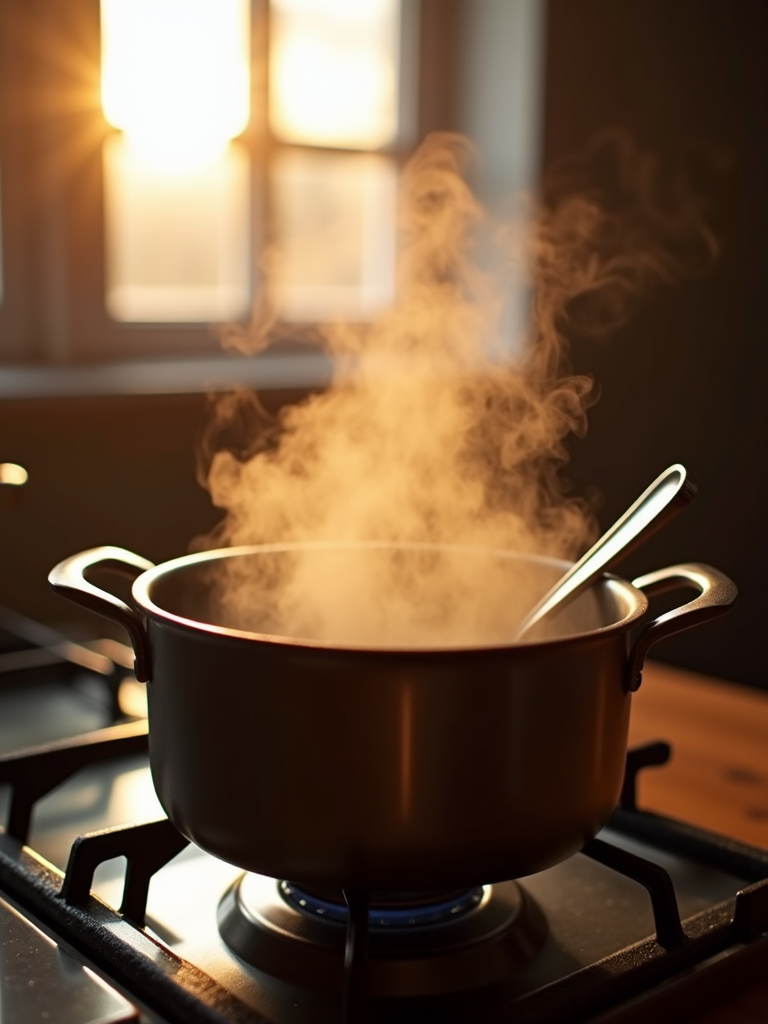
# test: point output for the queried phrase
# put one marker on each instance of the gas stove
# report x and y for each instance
(109, 914)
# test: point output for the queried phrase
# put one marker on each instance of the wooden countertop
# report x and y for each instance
(717, 777)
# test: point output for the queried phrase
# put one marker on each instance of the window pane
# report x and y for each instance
(334, 68)
(335, 234)
(178, 245)
(176, 75)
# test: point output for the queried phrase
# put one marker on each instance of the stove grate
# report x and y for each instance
(31, 774)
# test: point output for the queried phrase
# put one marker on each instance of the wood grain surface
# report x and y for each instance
(717, 777)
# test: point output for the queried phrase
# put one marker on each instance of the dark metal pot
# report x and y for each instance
(386, 768)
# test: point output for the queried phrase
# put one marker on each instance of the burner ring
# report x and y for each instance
(501, 930)
(395, 914)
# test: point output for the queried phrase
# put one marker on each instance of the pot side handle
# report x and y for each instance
(716, 595)
(68, 579)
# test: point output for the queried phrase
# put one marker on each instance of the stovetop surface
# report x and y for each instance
(591, 910)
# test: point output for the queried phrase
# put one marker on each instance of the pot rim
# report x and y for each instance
(141, 594)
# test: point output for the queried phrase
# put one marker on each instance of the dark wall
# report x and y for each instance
(685, 380)
(101, 471)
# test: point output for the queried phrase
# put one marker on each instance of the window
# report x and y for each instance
(120, 242)
(167, 161)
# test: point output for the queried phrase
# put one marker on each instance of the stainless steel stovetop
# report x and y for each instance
(612, 948)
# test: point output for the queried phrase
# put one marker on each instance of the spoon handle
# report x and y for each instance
(667, 495)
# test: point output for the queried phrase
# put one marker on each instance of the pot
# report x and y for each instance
(386, 767)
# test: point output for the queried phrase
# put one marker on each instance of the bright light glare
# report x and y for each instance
(334, 71)
(178, 247)
(176, 76)
(13, 474)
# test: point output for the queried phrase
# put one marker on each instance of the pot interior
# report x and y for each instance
(376, 595)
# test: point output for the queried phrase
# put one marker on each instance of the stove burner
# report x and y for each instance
(418, 945)
(388, 910)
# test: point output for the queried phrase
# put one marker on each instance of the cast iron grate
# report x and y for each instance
(31, 652)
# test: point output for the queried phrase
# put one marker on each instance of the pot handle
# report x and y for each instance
(68, 579)
(716, 595)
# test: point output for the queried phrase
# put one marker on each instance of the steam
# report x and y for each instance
(435, 430)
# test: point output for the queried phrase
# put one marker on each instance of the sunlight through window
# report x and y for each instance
(334, 220)
(178, 246)
(334, 67)
(176, 76)
(176, 82)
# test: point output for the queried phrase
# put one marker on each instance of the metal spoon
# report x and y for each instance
(667, 495)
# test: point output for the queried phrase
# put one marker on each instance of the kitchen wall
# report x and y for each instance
(114, 470)
(685, 379)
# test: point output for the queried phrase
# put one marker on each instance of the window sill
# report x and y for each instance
(267, 371)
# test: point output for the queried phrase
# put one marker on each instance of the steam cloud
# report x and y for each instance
(435, 431)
